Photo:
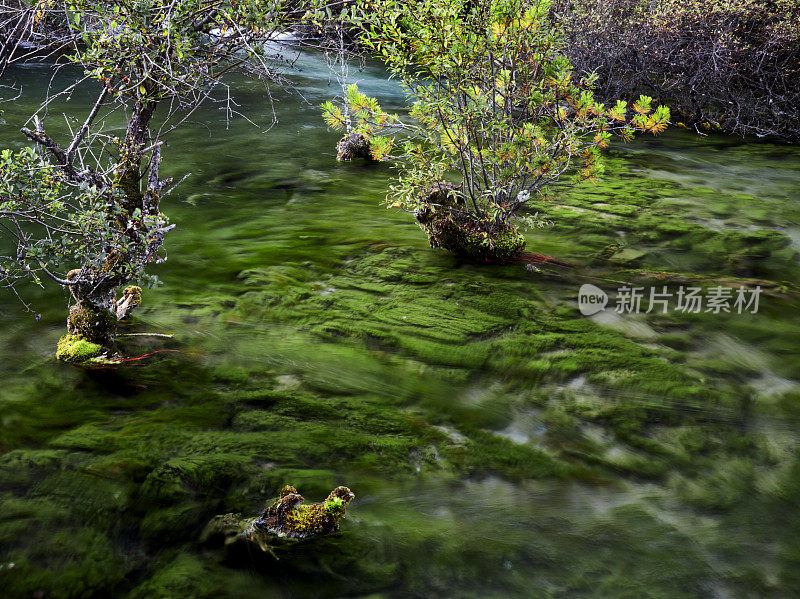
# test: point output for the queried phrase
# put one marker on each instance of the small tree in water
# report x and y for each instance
(87, 214)
(497, 105)
(366, 126)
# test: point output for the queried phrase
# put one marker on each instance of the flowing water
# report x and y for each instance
(499, 442)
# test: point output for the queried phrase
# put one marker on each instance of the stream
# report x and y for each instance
(500, 442)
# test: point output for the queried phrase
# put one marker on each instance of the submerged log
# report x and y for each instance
(286, 520)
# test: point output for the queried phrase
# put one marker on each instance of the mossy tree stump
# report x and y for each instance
(92, 323)
(449, 224)
(354, 145)
(286, 520)
(92, 327)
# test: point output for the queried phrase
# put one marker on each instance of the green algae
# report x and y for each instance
(66, 558)
(270, 430)
(191, 576)
(661, 226)
(471, 326)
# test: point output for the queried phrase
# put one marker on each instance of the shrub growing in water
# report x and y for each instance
(496, 104)
(366, 126)
(85, 212)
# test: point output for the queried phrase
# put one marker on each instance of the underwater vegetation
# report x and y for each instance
(470, 381)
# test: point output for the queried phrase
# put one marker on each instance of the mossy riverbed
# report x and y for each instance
(499, 442)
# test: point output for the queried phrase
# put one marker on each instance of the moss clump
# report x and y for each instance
(131, 298)
(334, 508)
(76, 349)
(135, 291)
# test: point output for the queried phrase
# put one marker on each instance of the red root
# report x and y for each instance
(531, 258)
(542, 259)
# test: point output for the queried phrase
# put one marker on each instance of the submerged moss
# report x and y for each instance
(471, 405)
(189, 575)
(390, 302)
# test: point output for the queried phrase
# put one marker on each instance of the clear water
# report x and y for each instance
(319, 341)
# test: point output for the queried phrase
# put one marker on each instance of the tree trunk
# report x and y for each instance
(129, 172)
(92, 323)
(96, 312)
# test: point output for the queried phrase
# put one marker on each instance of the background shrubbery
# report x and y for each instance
(732, 65)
